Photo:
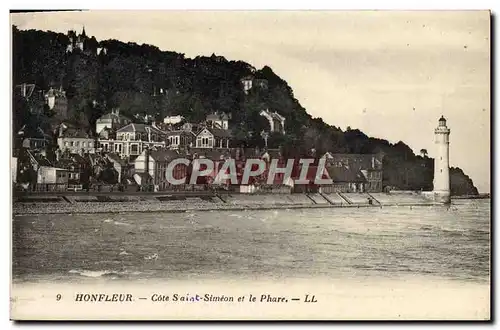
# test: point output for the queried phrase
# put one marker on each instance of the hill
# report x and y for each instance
(143, 79)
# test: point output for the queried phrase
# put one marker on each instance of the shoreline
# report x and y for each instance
(206, 202)
(85, 208)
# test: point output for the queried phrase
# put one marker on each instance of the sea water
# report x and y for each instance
(366, 253)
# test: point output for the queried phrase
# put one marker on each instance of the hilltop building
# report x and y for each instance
(250, 82)
(276, 121)
(57, 101)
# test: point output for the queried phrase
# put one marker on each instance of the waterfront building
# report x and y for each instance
(151, 167)
(355, 172)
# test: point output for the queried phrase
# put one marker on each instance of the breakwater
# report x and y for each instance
(100, 203)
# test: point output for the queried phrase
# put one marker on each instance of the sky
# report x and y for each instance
(391, 74)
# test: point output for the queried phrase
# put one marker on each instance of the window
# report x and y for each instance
(66, 143)
(91, 144)
(77, 143)
(71, 143)
(84, 144)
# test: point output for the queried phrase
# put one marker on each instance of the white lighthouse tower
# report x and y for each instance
(442, 163)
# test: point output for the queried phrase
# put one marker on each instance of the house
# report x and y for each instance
(180, 138)
(113, 120)
(154, 163)
(369, 165)
(311, 176)
(212, 138)
(34, 138)
(218, 120)
(52, 175)
(118, 164)
(57, 102)
(132, 139)
(345, 179)
(75, 140)
(276, 121)
(107, 134)
(78, 168)
(173, 119)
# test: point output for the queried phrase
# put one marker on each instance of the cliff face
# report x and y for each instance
(143, 79)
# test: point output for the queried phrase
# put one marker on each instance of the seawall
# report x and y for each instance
(112, 203)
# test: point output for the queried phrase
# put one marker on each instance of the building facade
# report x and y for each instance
(132, 139)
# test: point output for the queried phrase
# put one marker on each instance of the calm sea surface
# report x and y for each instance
(449, 242)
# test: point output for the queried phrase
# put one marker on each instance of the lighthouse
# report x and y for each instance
(442, 163)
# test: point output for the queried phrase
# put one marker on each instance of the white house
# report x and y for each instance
(212, 138)
(173, 119)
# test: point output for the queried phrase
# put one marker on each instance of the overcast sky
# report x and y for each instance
(390, 74)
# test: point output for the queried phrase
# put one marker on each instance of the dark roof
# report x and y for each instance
(163, 154)
(214, 154)
(115, 158)
(75, 133)
(39, 158)
(218, 116)
(217, 132)
(358, 161)
(179, 132)
(345, 174)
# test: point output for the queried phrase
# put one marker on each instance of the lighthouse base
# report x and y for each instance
(441, 196)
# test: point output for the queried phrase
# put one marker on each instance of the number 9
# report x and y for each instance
(58, 297)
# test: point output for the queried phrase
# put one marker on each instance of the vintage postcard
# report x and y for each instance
(250, 165)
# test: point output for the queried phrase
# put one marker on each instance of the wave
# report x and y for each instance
(94, 273)
(103, 273)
